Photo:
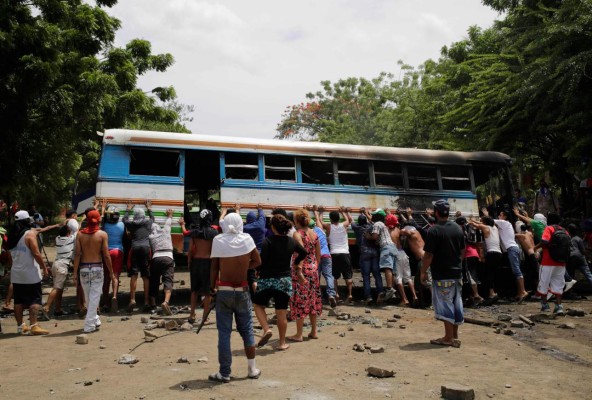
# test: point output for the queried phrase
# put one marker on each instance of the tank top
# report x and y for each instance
(115, 233)
(338, 239)
(492, 243)
(25, 269)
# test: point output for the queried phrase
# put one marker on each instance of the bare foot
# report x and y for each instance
(311, 336)
(283, 347)
(294, 339)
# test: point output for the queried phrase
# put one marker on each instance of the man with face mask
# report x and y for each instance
(163, 263)
(27, 267)
(545, 200)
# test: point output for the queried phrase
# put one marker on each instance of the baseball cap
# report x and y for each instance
(21, 215)
(540, 218)
(391, 221)
(379, 211)
(441, 206)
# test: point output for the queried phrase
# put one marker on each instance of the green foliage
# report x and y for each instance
(61, 81)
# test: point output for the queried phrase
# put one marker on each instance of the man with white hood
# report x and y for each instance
(233, 254)
(163, 263)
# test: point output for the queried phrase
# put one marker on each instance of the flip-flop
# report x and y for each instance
(440, 342)
(291, 339)
(191, 320)
(265, 338)
(312, 337)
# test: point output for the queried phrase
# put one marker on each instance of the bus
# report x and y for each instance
(179, 171)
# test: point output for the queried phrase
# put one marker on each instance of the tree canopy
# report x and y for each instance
(62, 80)
(522, 86)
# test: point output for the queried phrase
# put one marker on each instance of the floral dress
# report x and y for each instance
(306, 298)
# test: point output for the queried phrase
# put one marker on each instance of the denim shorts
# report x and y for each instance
(388, 257)
(447, 300)
(514, 257)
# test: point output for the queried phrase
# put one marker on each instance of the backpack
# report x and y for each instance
(559, 245)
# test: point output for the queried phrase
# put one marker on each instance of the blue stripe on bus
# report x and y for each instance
(161, 180)
(344, 189)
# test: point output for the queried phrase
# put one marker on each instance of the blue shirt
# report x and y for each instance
(115, 232)
(322, 241)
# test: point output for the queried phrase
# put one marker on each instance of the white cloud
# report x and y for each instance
(241, 63)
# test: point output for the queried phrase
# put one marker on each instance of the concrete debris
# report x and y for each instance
(453, 391)
(380, 372)
(127, 359)
(568, 325)
(504, 317)
(575, 312)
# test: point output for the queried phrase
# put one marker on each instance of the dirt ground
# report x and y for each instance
(538, 362)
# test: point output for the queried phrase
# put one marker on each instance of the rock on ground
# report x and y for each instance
(380, 372)
(453, 391)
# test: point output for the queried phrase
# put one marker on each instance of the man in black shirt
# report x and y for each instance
(444, 247)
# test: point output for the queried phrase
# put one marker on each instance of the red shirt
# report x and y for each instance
(547, 260)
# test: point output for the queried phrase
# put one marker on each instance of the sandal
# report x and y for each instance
(265, 338)
(441, 342)
(293, 339)
(218, 377)
(311, 336)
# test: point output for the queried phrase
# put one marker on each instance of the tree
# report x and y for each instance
(61, 81)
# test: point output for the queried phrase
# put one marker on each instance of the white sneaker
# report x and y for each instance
(254, 373)
(390, 292)
(569, 285)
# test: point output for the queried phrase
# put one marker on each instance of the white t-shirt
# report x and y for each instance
(338, 239)
(506, 233)
(25, 269)
(492, 243)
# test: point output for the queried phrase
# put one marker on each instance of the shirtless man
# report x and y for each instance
(198, 259)
(403, 272)
(233, 254)
(91, 248)
(526, 240)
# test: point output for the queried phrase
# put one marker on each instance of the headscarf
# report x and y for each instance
(205, 230)
(139, 215)
(540, 218)
(251, 217)
(233, 242)
(391, 221)
(93, 218)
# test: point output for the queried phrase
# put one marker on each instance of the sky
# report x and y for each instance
(241, 63)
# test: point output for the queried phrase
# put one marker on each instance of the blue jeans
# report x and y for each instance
(388, 257)
(326, 269)
(369, 265)
(447, 300)
(228, 304)
(514, 257)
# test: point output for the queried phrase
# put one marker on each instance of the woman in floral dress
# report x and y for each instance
(306, 297)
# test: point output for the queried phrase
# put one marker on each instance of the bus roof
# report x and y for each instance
(125, 137)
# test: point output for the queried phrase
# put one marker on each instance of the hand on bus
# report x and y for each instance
(129, 205)
(259, 206)
(181, 221)
(169, 212)
(347, 209)
(409, 211)
(148, 204)
(321, 208)
(485, 212)
(314, 207)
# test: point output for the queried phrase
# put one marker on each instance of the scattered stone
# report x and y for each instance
(182, 283)
(504, 317)
(102, 347)
(127, 359)
(88, 383)
(203, 359)
(380, 372)
(125, 318)
(575, 312)
(403, 326)
(508, 386)
(82, 339)
(171, 325)
(377, 325)
(160, 323)
(183, 360)
(398, 316)
(144, 320)
(509, 332)
(377, 349)
(526, 320)
(517, 324)
(390, 325)
(498, 330)
(333, 313)
(142, 397)
(359, 347)
(151, 326)
(351, 329)
(392, 320)
(186, 327)
(150, 334)
(490, 395)
(343, 317)
(149, 339)
(342, 334)
(367, 310)
(453, 391)
(544, 348)
(567, 325)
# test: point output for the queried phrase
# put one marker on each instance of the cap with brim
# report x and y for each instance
(441, 205)
(379, 211)
(21, 215)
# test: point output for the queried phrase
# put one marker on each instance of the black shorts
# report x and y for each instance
(165, 267)
(140, 262)
(199, 272)
(341, 265)
(27, 294)
(280, 298)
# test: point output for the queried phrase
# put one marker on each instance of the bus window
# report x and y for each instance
(353, 172)
(422, 177)
(388, 173)
(154, 162)
(317, 171)
(280, 168)
(455, 178)
(241, 166)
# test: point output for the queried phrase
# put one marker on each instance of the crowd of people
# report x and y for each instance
(416, 259)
